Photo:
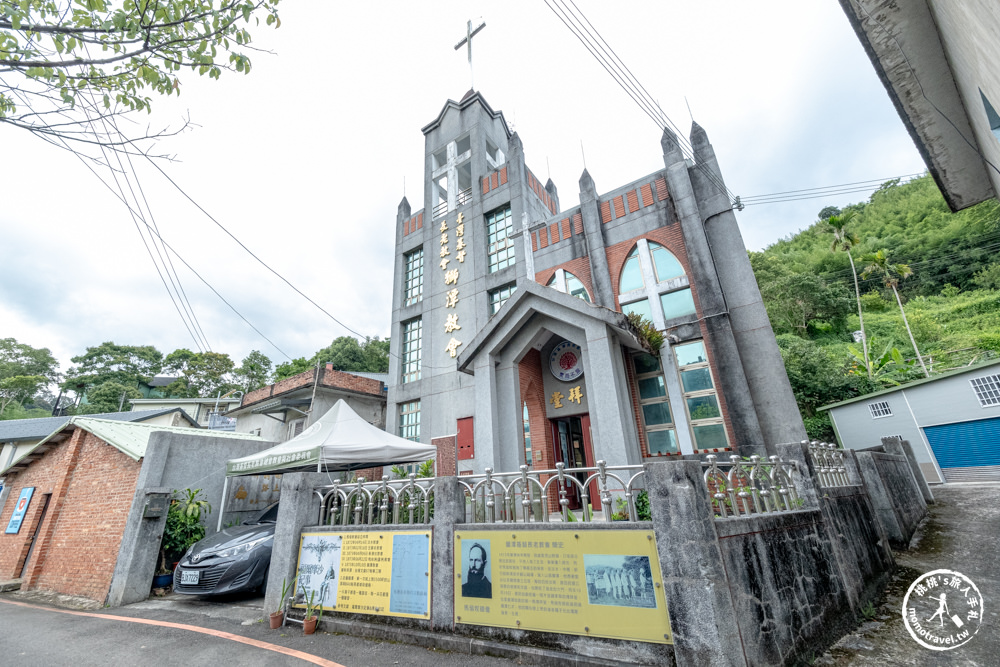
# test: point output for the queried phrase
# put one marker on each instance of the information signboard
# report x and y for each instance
(595, 583)
(367, 572)
(20, 509)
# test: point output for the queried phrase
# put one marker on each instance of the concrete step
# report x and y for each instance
(10, 585)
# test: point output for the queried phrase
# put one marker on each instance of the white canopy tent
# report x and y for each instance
(339, 440)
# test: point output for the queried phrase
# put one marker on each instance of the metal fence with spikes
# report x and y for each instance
(828, 461)
(389, 501)
(525, 495)
(742, 487)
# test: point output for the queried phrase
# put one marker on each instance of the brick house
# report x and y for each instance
(510, 343)
(83, 480)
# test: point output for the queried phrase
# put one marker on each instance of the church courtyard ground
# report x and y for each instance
(960, 533)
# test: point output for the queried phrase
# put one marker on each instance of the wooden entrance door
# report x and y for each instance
(571, 439)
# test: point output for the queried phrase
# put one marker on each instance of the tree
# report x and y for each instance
(127, 365)
(254, 371)
(203, 374)
(844, 240)
(344, 354)
(104, 56)
(376, 355)
(878, 264)
(287, 369)
(828, 212)
(21, 359)
(18, 388)
(110, 396)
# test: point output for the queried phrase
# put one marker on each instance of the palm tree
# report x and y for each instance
(845, 240)
(878, 264)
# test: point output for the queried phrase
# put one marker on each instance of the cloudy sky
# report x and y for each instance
(305, 159)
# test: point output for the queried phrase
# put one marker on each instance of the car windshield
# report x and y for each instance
(269, 515)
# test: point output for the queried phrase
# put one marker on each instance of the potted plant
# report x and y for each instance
(277, 618)
(183, 529)
(313, 612)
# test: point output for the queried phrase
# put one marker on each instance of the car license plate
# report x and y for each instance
(190, 576)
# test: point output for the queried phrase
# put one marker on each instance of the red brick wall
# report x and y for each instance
(330, 378)
(446, 451)
(370, 474)
(92, 485)
(533, 393)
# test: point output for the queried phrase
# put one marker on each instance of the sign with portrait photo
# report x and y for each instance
(386, 573)
(595, 583)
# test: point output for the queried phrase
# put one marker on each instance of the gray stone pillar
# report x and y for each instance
(702, 615)
(880, 498)
(139, 553)
(748, 437)
(894, 445)
(806, 481)
(449, 509)
(604, 294)
(777, 410)
(299, 508)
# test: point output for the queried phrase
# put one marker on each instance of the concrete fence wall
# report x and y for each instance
(764, 589)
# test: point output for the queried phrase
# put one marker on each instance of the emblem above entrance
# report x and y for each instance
(566, 361)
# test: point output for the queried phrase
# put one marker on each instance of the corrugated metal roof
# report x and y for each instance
(128, 437)
(12, 430)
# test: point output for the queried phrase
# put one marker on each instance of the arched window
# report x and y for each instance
(654, 285)
(567, 283)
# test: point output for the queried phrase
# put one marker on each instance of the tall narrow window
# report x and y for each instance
(700, 397)
(653, 285)
(411, 350)
(527, 435)
(413, 277)
(567, 283)
(499, 246)
(499, 296)
(661, 437)
(409, 421)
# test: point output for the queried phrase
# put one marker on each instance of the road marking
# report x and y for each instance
(316, 660)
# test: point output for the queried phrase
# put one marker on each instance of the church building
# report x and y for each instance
(510, 338)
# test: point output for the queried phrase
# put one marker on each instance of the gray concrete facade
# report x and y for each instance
(470, 350)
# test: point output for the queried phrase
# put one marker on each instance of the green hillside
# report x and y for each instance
(951, 300)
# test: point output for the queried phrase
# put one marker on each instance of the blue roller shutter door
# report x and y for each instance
(968, 451)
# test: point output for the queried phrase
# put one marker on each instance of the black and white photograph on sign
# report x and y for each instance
(620, 581)
(476, 569)
(319, 570)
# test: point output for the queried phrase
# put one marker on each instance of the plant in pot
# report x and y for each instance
(277, 618)
(313, 611)
(184, 528)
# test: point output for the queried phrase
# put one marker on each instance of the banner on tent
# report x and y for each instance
(386, 573)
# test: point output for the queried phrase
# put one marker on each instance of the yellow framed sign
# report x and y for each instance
(386, 573)
(595, 583)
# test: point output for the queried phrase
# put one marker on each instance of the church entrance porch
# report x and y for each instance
(573, 448)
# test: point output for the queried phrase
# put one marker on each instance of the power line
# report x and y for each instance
(592, 40)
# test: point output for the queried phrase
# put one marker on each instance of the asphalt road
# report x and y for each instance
(32, 635)
(961, 533)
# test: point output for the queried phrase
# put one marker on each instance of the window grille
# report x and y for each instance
(409, 421)
(413, 280)
(499, 245)
(412, 332)
(880, 409)
(987, 390)
(499, 296)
